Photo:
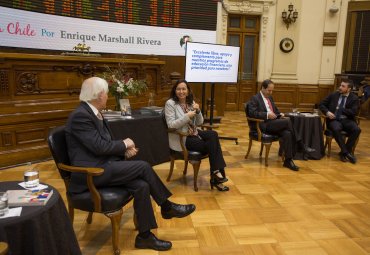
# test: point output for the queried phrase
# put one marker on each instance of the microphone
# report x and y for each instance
(192, 109)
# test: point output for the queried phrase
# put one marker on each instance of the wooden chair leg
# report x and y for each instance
(71, 212)
(115, 218)
(354, 146)
(268, 146)
(89, 218)
(135, 221)
(249, 148)
(171, 169)
(185, 168)
(261, 149)
(196, 165)
(328, 143)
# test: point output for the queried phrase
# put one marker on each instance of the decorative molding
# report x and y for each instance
(6, 139)
(246, 6)
(224, 28)
(253, 7)
(281, 77)
(27, 83)
(4, 83)
(265, 20)
(85, 69)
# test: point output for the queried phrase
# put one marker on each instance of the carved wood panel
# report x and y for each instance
(37, 93)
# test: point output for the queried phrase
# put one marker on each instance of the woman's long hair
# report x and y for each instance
(189, 97)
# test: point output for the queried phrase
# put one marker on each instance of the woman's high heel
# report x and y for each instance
(219, 186)
(218, 179)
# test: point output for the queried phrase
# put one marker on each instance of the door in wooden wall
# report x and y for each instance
(243, 31)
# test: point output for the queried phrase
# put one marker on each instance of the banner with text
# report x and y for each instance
(42, 31)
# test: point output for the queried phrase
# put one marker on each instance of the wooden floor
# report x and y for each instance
(322, 209)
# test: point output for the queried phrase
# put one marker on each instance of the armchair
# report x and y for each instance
(329, 134)
(192, 157)
(108, 201)
(256, 134)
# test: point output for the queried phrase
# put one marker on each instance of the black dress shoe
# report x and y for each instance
(308, 150)
(350, 158)
(342, 157)
(152, 242)
(290, 164)
(178, 211)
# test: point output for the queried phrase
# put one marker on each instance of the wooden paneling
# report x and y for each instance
(301, 96)
(37, 92)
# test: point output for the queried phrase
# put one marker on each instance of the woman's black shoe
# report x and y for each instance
(218, 186)
(218, 179)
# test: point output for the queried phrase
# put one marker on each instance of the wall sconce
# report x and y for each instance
(333, 9)
(290, 17)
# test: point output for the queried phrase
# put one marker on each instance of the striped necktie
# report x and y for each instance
(270, 105)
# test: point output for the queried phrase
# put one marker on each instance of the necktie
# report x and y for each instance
(270, 105)
(340, 107)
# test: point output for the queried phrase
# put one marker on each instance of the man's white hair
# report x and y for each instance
(92, 87)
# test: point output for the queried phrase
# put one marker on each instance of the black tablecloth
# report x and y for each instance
(39, 230)
(149, 134)
(309, 129)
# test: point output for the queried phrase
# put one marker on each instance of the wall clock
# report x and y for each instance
(286, 45)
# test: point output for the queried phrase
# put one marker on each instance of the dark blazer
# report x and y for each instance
(90, 144)
(350, 108)
(256, 108)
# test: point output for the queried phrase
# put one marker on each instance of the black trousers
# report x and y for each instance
(141, 180)
(284, 129)
(351, 127)
(208, 143)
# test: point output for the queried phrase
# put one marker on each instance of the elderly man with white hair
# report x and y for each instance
(90, 144)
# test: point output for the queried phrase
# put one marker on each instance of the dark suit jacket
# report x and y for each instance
(256, 109)
(330, 104)
(90, 144)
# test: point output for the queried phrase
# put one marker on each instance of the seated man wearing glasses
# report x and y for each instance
(340, 108)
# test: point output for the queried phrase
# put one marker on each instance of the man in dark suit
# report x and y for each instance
(262, 106)
(340, 108)
(90, 144)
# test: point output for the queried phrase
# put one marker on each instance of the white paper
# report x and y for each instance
(39, 187)
(13, 212)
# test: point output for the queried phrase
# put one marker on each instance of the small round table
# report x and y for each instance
(309, 129)
(39, 230)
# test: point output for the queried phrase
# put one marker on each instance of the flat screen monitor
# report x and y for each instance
(212, 63)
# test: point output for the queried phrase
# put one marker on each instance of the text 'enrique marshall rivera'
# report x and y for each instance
(106, 38)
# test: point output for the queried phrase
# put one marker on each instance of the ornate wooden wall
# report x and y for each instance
(37, 92)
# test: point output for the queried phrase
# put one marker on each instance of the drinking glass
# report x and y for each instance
(128, 110)
(123, 109)
(295, 111)
(316, 112)
(4, 208)
(31, 178)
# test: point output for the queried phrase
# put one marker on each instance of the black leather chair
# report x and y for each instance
(108, 201)
(192, 157)
(256, 134)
